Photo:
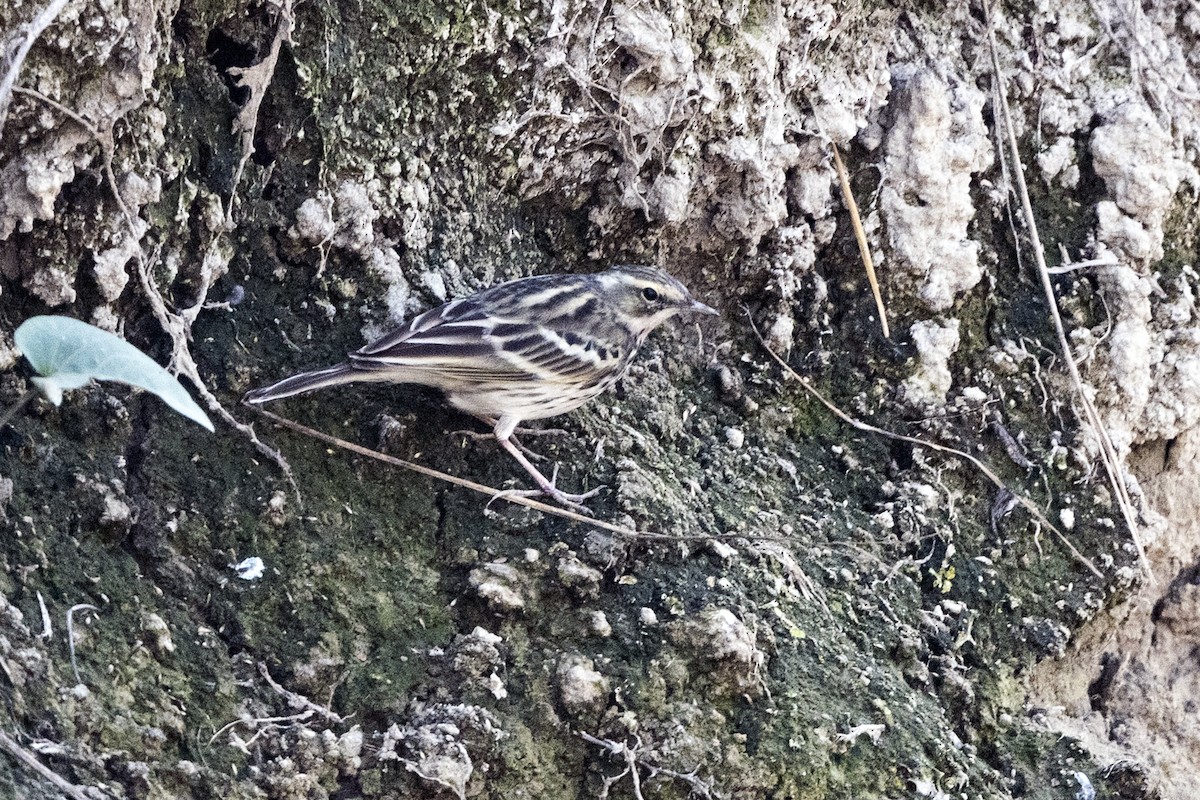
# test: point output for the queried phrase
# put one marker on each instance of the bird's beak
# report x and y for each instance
(700, 308)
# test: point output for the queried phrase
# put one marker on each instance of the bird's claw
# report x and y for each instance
(547, 486)
(551, 490)
(573, 501)
(565, 499)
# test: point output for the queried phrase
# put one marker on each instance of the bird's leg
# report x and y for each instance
(503, 433)
(545, 485)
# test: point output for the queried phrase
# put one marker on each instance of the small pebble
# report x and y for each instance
(598, 621)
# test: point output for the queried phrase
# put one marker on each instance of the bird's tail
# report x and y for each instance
(304, 382)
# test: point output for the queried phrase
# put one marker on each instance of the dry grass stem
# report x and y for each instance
(12, 410)
(860, 236)
(1091, 417)
(507, 496)
(71, 634)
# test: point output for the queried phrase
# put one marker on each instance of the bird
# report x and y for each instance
(527, 349)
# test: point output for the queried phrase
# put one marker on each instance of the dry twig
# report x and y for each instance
(509, 496)
(495, 494)
(299, 701)
(33, 30)
(176, 325)
(941, 448)
(30, 760)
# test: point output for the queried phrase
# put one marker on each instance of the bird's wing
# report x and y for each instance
(462, 341)
(452, 343)
(466, 310)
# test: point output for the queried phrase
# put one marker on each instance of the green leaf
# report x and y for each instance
(68, 353)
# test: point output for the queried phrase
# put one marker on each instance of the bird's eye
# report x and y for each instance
(650, 293)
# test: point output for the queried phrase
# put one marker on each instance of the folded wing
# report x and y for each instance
(462, 342)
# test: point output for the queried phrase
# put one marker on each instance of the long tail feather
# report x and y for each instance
(305, 382)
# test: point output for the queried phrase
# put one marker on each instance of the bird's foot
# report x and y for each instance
(548, 488)
(573, 501)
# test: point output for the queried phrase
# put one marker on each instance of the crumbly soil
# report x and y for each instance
(822, 611)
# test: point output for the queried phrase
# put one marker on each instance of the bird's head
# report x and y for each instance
(647, 296)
